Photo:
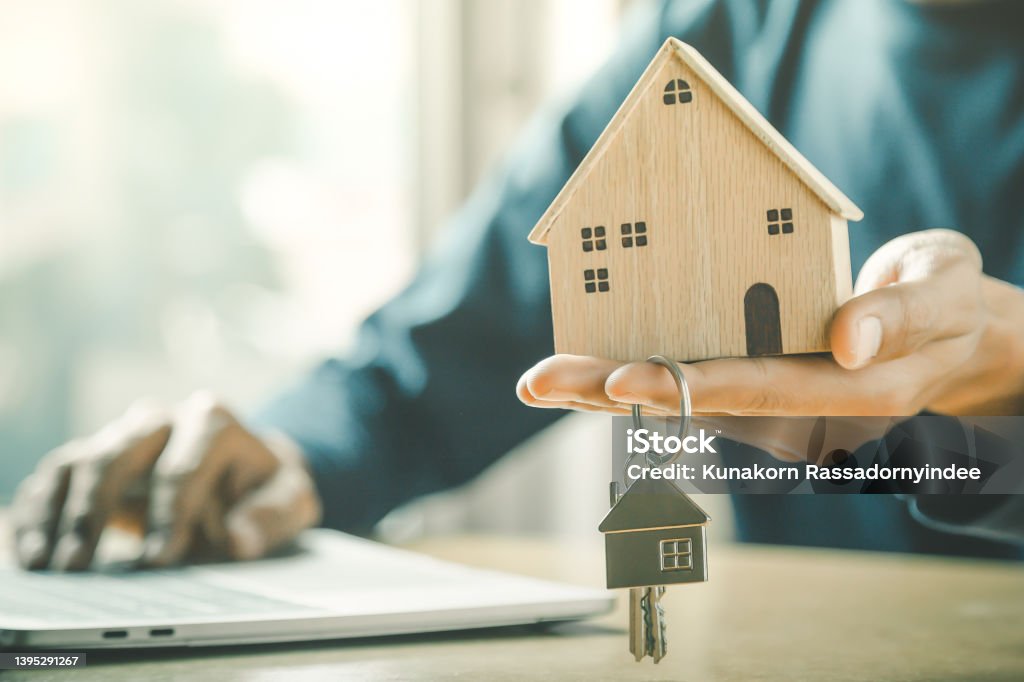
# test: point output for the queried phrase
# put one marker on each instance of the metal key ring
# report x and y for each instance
(685, 408)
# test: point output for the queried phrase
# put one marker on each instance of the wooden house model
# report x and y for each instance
(693, 229)
(655, 535)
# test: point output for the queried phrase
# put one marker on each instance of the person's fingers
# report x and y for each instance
(915, 256)
(36, 509)
(617, 410)
(570, 382)
(61, 510)
(585, 383)
(118, 457)
(795, 386)
(575, 382)
(86, 509)
(918, 288)
(567, 378)
(805, 385)
(560, 376)
(645, 383)
(900, 319)
(210, 540)
(209, 456)
(716, 386)
(607, 406)
(274, 512)
(185, 474)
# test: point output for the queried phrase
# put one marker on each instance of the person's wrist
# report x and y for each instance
(285, 447)
(1001, 349)
(990, 381)
(290, 453)
(1015, 360)
(304, 507)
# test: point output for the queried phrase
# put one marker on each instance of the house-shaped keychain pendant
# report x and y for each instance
(694, 230)
(655, 535)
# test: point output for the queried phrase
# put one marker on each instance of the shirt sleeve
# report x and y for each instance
(427, 398)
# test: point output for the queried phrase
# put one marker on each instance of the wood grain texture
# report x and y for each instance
(702, 181)
(673, 48)
(767, 614)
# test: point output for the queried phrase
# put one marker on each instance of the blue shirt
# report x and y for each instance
(915, 112)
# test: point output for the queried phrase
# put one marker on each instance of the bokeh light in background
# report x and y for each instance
(187, 190)
(212, 193)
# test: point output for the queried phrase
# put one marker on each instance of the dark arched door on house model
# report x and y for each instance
(761, 314)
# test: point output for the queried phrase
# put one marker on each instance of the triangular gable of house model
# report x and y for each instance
(810, 176)
(652, 503)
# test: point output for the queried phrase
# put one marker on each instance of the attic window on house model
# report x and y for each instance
(677, 91)
(595, 280)
(594, 238)
(780, 217)
(677, 555)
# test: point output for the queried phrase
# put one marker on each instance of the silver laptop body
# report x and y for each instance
(332, 586)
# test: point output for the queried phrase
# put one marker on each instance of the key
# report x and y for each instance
(648, 617)
(658, 643)
(637, 632)
(647, 623)
(679, 559)
(654, 534)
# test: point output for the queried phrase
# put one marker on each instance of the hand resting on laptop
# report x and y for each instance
(193, 480)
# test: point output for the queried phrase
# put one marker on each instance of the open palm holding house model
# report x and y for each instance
(694, 230)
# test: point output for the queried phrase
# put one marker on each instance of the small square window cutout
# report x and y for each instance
(634, 234)
(595, 280)
(590, 241)
(780, 217)
(601, 244)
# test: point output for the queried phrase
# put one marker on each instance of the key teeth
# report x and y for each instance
(659, 645)
(647, 628)
(649, 642)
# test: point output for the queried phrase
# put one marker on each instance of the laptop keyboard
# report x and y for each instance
(90, 598)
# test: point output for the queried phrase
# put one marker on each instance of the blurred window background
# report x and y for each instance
(213, 193)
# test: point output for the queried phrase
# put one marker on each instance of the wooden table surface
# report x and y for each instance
(766, 614)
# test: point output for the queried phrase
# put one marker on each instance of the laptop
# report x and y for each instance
(331, 586)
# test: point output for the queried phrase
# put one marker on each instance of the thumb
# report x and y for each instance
(918, 288)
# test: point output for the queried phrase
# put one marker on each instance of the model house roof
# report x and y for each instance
(652, 504)
(821, 186)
